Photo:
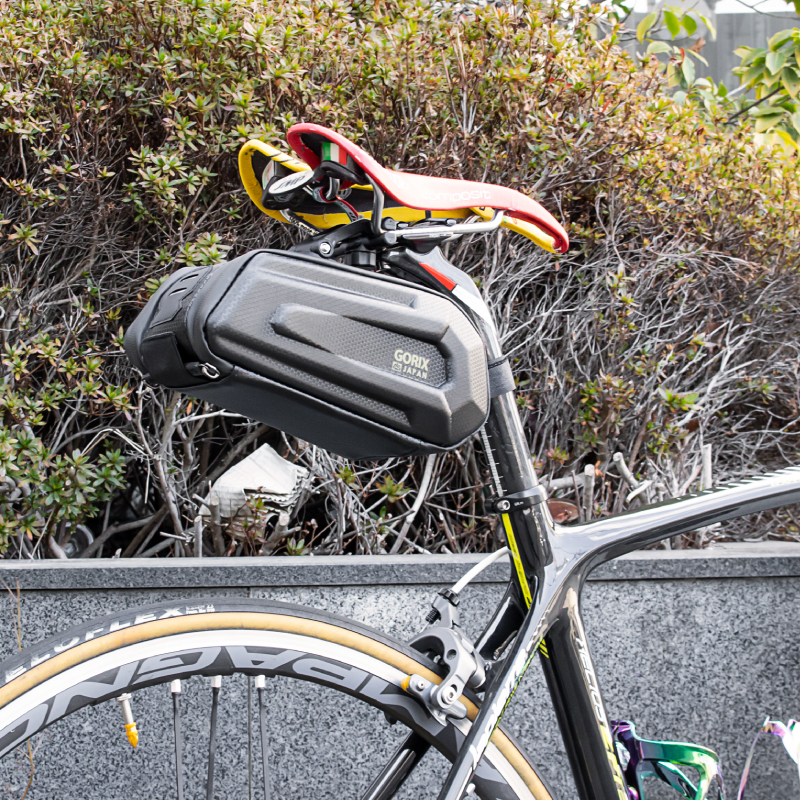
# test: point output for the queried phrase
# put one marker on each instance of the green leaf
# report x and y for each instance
(743, 51)
(697, 56)
(775, 62)
(689, 24)
(756, 55)
(679, 97)
(789, 144)
(687, 68)
(791, 81)
(707, 22)
(644, 26)
(795, 121)
(672, 75)
(709, 101)
(765, 123)
(672, 22)
(658, 47)
(781, 37)
(764, 111)
(752, 74)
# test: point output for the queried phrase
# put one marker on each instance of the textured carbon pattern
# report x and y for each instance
(325, 274)
(375, 346)
(170, 315)
(250, 356)
(343, 332)
(391, 352)
(322, 319)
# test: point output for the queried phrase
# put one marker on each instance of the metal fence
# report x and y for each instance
(733, 30)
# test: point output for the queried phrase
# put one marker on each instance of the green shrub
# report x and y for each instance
(118, 140)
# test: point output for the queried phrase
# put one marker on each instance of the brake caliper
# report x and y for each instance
(445, 640)
(643, 758)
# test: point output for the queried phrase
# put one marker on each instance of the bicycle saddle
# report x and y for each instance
(315, 144)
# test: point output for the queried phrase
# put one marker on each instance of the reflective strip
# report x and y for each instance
(443, 279)
(474, 303)
(512, 543)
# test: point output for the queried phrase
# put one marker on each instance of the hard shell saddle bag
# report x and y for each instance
(364, 365)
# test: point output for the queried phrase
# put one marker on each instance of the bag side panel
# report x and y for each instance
(392, 361)
(309, 418)
(363, 365)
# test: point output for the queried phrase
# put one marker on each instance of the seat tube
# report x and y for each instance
(565, 657)
(527, 531)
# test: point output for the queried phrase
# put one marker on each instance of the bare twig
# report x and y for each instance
(113, 529)
(149, 528)
(216, 526)
(427, 474)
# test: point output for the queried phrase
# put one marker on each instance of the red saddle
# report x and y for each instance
(313, 144)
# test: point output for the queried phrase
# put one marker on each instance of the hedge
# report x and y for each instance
(670, 326)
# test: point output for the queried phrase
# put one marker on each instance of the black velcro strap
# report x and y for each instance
(501, 379)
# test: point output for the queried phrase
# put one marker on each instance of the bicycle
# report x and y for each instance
(448, 692)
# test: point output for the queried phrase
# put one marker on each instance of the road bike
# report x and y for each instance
(371, 260)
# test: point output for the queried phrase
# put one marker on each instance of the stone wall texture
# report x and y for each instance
(696, 646)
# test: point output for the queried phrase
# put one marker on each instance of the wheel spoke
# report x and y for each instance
(399, 767)
(262, 716)
(255, 643)
(175, 687)
(216, 684)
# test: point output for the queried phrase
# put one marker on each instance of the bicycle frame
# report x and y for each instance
(551, 563)
(541, 608)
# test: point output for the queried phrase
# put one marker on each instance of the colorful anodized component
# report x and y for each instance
(643, 758)
(789, 734)
(131, 731)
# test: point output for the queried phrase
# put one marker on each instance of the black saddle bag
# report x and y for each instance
(364, 365)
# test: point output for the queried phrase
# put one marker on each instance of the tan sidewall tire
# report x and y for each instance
(316, 626)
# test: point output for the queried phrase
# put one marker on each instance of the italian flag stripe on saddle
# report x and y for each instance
(332, 152)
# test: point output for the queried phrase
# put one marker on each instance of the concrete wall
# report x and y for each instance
(698, 646)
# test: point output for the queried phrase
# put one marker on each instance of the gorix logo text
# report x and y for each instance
(410, 364)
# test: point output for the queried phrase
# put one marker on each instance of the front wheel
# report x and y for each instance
(296, 672)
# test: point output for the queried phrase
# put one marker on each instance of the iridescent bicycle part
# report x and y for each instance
(643, 758)
(789, 734)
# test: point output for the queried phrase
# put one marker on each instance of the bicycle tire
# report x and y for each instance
(139, 648)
